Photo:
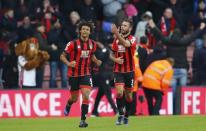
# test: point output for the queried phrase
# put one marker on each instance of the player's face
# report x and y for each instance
(85, 31)
(125, 27)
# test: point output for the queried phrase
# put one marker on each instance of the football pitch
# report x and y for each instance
(139, 123)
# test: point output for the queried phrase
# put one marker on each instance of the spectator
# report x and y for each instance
(26, 30)
(199, 65)
(142, 25)
(198, 17)
(42, 38)
(143, 30)
(167, 23)
(47, 21)
(177, 7)
(43, 45)
(176, 49)
(47, 6)
(9, 22)
(10, 70)
(56, 37)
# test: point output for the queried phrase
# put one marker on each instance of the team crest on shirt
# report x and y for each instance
(67, 46)
(78, 46)
(121, 48)
(84, 54)
(90, 46)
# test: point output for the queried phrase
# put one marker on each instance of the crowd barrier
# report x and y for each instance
(50, 103)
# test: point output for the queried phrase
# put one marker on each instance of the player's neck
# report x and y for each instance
(84, 38)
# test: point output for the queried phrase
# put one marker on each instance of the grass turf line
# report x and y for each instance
(154, 123)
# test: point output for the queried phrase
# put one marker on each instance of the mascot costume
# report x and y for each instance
(29, 59)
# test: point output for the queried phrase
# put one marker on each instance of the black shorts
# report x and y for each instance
(124, 78)
(80, 82)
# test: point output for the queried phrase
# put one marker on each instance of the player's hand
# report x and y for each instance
(119, 60)
(114, 29)
(99, 62)
(72, 64)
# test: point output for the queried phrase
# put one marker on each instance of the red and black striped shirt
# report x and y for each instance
(126, 53)
(81, 52)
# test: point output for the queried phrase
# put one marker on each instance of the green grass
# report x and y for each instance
(156, 123)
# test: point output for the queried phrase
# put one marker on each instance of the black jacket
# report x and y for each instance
(158, 54)
(43, 43)
(56, 36)
(199, 63)
(142, 53)
(177, 46)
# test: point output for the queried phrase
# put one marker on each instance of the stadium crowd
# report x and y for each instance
(54, 23)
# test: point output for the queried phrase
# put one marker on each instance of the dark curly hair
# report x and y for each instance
(90, 24)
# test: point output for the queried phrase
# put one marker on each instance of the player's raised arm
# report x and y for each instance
(120, 37)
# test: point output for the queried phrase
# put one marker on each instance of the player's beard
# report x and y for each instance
(84, 35)
(126, 33)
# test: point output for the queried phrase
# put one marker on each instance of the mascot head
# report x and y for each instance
(27, 48)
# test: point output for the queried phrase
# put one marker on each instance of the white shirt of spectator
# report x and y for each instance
(140, 30)
(28, 76)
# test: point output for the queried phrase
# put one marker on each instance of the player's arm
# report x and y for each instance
(63, 58)
(125, 43)
(118, 60)
(95, 60)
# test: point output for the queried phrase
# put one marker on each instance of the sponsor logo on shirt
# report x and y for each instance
(84, 54)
